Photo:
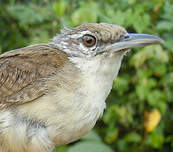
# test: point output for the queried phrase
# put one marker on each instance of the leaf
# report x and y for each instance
(141, 92)
(92, 136)
(140, 17)
(111, 134)
(169, 138)
(152, 119)
(121, 85)
(168, 79)
(87, 146)
(86, 13)
(159, 70)
(150, 52)
(29, 14)
(162, 106)
(63, 148)
(133, 137)
(156, 140)
(118, 18)
(168, 43)
(165, 25)
(122, 145)
(154, 96)
(59, 7)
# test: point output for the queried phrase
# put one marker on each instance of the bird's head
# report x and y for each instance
(96, 50)
(94, 39)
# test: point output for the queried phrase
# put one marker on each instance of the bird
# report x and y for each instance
(53, 93)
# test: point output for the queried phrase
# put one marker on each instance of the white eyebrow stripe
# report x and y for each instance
(80, 34)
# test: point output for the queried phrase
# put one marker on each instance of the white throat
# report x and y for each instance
(99, 74)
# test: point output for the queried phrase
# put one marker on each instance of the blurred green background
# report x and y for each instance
(143, 91)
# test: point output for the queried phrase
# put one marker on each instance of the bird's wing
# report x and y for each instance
(23, 73)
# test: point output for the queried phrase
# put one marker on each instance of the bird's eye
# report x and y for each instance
(89, 40)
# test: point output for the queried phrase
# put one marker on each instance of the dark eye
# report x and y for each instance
(89, 40)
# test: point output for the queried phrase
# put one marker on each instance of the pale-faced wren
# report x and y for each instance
(53, 94)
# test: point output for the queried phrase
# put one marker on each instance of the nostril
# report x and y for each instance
(126, 36)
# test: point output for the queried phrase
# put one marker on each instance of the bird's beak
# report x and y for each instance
(129, 40)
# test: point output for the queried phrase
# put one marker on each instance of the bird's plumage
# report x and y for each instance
(24, 73)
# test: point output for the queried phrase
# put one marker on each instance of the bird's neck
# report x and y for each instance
(98, 76)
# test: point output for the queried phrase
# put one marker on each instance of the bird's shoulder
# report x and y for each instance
(23, 72)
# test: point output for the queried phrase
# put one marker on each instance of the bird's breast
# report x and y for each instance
(77, 100)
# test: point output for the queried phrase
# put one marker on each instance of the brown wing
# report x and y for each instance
(23, 73)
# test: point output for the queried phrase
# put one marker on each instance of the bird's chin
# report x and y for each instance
(111, 53)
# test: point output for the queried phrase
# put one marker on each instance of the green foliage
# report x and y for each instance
(156, 140)
(145, 80)
(90, 143)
